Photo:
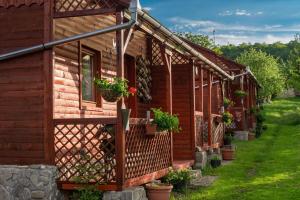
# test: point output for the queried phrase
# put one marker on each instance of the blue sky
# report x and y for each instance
(234, 21)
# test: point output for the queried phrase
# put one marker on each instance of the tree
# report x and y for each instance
(202, 40)
(266, 69)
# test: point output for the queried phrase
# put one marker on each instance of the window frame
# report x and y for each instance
(95, 105)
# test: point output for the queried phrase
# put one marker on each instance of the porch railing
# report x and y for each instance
(218, 130)
(199, 129)
(85, 144)
(90, 144)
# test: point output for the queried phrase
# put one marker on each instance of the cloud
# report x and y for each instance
(224, 39)
(239, 12)
(208, 26)
(148, 8)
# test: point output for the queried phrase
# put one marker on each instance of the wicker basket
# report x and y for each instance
(110, 95)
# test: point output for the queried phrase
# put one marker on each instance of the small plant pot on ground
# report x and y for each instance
(159, 191)
(251, 136)
(228, 152)
(215, 162)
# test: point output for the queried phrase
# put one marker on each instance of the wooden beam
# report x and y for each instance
(201, 88)
(193, 107)
(128, 37)
(120, 136)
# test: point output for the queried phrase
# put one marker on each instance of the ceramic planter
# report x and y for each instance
(151, 129)
(158, 191)
(251, 136)
(126, 117)
(215, 163)
(228, 153)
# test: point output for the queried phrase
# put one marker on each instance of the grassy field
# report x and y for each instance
(267, 168)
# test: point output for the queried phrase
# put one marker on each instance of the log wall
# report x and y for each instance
(24, 87)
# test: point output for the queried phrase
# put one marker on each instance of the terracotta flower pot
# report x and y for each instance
(158, 191)
(251, 136)
(151, 129)
(228, 153)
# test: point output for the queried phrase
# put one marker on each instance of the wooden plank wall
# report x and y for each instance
(22, 104)
(184, 147)
(66, 76)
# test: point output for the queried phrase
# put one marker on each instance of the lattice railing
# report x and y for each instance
(156, 53)
(218, 130)
(72, 8)
(144, 154)
(199, 123)
(88, 144)
(179, 59)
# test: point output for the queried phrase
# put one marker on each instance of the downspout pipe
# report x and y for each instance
(133, 8)
(195, 53)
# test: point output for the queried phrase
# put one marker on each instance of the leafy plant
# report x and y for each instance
(227, 118)
(85, 174)
(215, 157)
(240, 93)
(228, 102)
(228, 138)
(118, 86)
(178, 178)
(165, 121)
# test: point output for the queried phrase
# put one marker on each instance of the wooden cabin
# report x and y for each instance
(244, 80)
(51, 112)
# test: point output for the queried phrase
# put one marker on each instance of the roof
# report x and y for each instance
(18, 3)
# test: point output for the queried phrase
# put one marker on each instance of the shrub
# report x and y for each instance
(179, 179)
(165, 121)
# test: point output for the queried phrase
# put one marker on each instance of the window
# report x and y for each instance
(90, 68)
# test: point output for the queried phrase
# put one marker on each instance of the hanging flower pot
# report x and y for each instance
(113, 91)
(110, 96)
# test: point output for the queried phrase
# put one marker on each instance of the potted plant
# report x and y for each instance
(179, 179)
(158, 191)
(227, 103)
(215, 161)
(113, 91)
(165, 121)
(228, 138)
(227, 118)
(151, 129)
(240, 93)
(228, 150)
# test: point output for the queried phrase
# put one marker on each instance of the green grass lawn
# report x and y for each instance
(267, 168)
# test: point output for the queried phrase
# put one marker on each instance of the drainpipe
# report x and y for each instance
(171, 35)
(133, 8)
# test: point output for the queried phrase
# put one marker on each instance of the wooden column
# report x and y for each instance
(120, 132)
(201, 88)
(193, 105)
(209, 104)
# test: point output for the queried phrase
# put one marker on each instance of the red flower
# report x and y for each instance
(132, 91)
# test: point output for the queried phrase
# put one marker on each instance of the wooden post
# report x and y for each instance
(201, 88)
(209, 115)
(120, 133)
(193, 106)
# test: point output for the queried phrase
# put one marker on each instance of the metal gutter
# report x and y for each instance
(171, 35)
(133, 8)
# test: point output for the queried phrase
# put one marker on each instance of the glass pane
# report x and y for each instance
(87, 77)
